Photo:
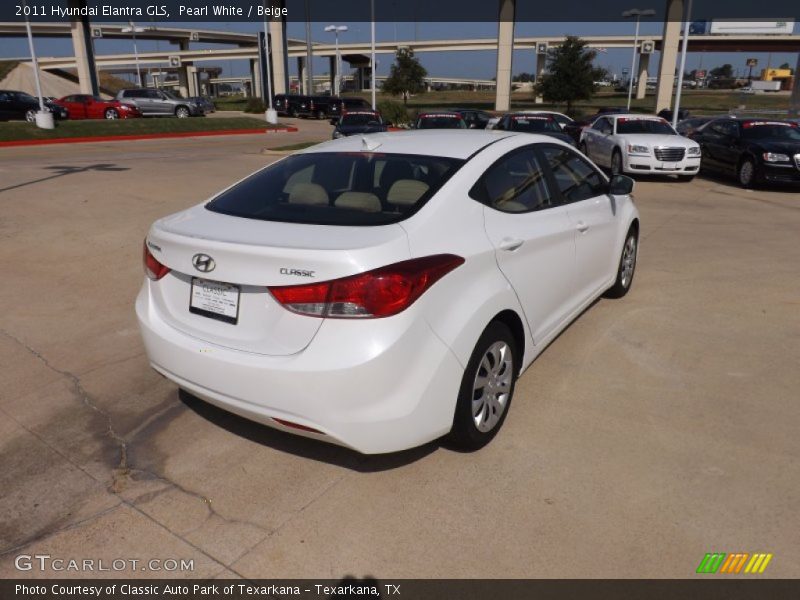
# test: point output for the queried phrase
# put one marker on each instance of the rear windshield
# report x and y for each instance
(361, 119)
(643, 126)
(534, 124)
(441, 122)
(338, 188)
(771, 131)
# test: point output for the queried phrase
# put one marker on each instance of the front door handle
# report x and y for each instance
(510, 244)
(582, 227)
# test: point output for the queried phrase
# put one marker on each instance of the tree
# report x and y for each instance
(571, 74)
(407, 76)
(724, 72)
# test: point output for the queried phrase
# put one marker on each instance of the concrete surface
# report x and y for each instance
(657, 428)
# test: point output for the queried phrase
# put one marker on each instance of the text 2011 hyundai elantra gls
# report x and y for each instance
(383, 291)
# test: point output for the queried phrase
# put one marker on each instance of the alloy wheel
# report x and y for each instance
(492, 387)
(628, 263)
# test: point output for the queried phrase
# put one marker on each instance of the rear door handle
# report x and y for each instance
(582, 227)
(510, 244)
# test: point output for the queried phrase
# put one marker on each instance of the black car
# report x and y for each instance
(291, 104)
(533, 123)
(667, 114)
(475, 119)
(15, 105)
(753, 150)
(575, 128)
(689, 127)
(338, 106)
(358, 121)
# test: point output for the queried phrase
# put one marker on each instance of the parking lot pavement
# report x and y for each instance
(655, 429)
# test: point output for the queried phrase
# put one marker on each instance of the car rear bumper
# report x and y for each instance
(378, 385)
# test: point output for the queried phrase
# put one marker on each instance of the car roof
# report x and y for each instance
(450, 143)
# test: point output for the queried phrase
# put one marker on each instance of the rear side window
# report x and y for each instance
(514, 184)
(576, 179)
(338, 188)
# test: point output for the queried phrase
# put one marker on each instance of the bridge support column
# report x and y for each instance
(332, 71)
(83, 47)
(302, 75)
(255, 78)
(505, 51)
(641, 87)
(794, 102)
(278, 57)
(669, 54)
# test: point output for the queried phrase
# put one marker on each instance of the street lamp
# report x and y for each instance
(336, 29)
(638, 14)
(44, 118)
(686, 25)
(134, 30)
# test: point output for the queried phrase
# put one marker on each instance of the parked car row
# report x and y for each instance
(130, 103)
(318, 107)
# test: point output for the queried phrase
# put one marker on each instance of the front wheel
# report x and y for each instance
(627, 267)
(182, 112)
(747, 173)
(30, 116)
(487, 388)
(616, 162)
(685, 178)
(111, 114)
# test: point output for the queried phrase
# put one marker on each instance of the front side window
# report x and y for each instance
(338, 188)
(576, 179)
(514, 184)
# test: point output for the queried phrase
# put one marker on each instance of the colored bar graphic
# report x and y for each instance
(711, 562)
(758, 563)
(735, 562)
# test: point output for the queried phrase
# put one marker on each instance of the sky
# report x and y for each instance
(479, 64)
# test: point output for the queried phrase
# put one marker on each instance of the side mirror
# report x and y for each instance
(620, 185)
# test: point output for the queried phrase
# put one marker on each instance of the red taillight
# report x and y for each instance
(152, 268)
(378, 293)
(297, 426)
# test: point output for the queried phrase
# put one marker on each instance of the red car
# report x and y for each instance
(84, 106)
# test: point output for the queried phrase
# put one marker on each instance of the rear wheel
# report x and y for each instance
(182, 112)
(487, 388)
(111, 114)
(627, 266)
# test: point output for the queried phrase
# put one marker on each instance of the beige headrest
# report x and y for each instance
(308, 193)
(406, 192)
(359, 201)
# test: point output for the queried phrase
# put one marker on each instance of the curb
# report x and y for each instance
(144, 136)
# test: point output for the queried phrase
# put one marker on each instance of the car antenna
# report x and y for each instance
(368, 144)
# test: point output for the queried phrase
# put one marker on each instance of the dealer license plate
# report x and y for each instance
(215, 300)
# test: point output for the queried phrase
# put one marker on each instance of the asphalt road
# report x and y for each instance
(655, 429)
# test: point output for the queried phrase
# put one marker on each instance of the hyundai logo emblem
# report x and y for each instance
(203, 263)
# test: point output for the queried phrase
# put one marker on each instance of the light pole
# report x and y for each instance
(44, 118)
(337, 78)
(271, 114)
(372, 54)
(686, 24)
(638, 14)
(134, 30)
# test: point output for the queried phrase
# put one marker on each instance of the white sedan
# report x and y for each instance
(383, 291)
(640, 144)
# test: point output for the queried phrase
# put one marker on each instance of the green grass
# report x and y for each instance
(291, 147)
(230, 102)
(71, 129)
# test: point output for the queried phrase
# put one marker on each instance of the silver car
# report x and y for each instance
(160, 103)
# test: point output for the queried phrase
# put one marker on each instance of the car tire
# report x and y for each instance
(616, 162)
(30, 116)
(627, 266)
(111, 114)
(320, 114)
(293, 113)
(182, 112)
(685, 178)
(746, 173)
(582, 147)
(491, 375)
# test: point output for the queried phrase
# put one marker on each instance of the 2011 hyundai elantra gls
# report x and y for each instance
(383, 291)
